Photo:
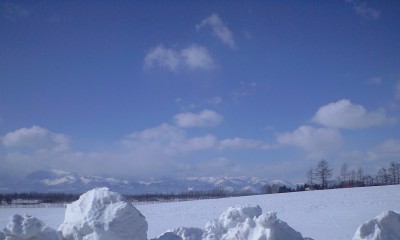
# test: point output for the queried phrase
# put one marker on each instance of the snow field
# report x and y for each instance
(321, 215)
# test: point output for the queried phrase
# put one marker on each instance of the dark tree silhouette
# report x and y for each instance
(323, 172)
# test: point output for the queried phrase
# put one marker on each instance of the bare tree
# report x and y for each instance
(382, 177)
(368, 180)
(323, 172)
(360, 176)
(344, 175)
(353, 178)
(394, 172)
(310, 177)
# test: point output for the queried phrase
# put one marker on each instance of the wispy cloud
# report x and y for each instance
(205, 118)
(244, 90)
(214, 100)
(347, 115)
(220, 30)
(363, 10)
(375, 81)
(194, 57)
(397, 91)
(13, 11)
(238, 143)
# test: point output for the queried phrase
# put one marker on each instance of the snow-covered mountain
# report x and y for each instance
(62, 181)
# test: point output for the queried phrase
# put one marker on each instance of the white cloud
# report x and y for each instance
(238, 143)
(197, 143)
(220, 30)
(317, 142)
(344, 114)
(205, 118)
(388, 150)
(214, 100)
(197, 57)
(36, 138)
(194, 57)
(162, 57)
(365, 11)
(167, 139)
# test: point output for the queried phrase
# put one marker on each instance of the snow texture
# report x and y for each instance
(28, 228)
(238, 223)
(386, 226)
(101, 214)
(104, 215)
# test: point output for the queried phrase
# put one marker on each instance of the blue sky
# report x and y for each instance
(208, 88)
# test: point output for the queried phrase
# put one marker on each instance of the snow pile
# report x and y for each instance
(101, 214)
(238, 223)
(386, 226)
(28, 228)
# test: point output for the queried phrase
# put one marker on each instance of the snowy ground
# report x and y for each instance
(322, 215)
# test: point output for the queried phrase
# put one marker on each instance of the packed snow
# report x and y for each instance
(321, 215)
(238, 223)
(386, 226)
(28, 228)
(101, 214)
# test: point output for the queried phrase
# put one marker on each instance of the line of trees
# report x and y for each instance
(31, 199)
(319, 177)
(275, 188)
(37, 198)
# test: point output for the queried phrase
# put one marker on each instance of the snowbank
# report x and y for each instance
(101, 214)
(238, 223)
(104, 215)
(386, 226)
(28, 228)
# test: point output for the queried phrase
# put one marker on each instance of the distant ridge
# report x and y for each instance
(69, 182)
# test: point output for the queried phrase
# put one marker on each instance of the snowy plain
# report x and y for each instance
(321, 215)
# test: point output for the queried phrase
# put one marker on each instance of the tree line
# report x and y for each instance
(320, 176)
(34, 198)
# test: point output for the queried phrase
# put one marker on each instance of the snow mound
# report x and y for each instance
(386, 226)
(101, 214)
(28, 228)
(238, 223)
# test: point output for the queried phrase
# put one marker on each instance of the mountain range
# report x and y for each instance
(69, 182)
